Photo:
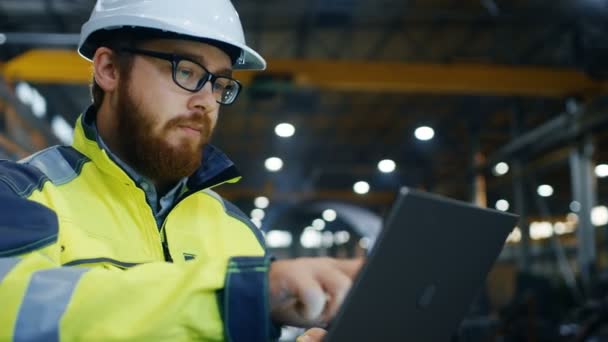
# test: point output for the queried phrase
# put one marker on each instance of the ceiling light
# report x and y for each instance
(545, 190)
(364, 243)
(329, 215)
(599, 216)
(387, 166)
(341, 237)
(575, 206)
(258, 214)
(274, 164)
(278, 239)
(601, 170)
(502, 205)
(318, 224)
(501, 169)
(541, 230)
(285, 130)
(261, 202)
(310, 238)
(361, 188)
(327, 239)
(62, 129)
(424, 133)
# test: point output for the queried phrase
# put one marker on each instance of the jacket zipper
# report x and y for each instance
(163, 231)
(163, 238)
(166, 251)
(164, 241)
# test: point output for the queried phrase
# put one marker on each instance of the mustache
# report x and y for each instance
(198, 120)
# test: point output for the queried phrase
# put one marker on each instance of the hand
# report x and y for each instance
(308, 292)
(312, 335)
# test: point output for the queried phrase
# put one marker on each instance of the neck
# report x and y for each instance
(163, 187)
(108, 131)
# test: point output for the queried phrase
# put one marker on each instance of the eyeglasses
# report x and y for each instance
(192, 76)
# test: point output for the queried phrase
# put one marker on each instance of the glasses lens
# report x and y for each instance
(189, 74)
(225, 90)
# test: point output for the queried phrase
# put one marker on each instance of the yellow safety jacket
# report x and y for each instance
(82, 257)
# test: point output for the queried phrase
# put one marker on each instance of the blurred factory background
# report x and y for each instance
(501, 103)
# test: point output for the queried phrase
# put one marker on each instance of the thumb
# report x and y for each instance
(312, 301)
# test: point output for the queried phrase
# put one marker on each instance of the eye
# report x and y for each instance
(184, 73)
(219, 87)
(223, 84)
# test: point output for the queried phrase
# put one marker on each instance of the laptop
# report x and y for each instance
(426, 267)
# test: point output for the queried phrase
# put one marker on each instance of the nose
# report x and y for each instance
(203, 100)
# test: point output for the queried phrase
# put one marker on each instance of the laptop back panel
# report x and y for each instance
(426, 267)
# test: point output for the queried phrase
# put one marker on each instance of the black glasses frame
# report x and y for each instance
(175, 60)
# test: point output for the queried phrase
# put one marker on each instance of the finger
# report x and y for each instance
(311, 300)
(350, 267)
(312, 335)
(336, 284)
(281, 293)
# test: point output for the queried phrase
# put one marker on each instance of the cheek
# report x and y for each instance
(158, 105)
(213, 118)
(155, 96)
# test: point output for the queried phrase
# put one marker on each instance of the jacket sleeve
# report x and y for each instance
(43, 301)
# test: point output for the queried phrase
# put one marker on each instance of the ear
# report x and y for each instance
(105, 69)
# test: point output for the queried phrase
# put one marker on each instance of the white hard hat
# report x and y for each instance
(206, 20)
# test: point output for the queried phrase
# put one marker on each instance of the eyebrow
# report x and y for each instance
(201, 61)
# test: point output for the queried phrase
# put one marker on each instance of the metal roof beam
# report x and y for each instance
(63, 66)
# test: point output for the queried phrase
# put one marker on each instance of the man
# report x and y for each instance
(119, 237)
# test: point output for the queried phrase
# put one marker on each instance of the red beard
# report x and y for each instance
(149, 153)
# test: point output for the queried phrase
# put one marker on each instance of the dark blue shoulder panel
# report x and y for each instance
(25, 225)
(20, 179)
(59, 165)
(73, 157)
